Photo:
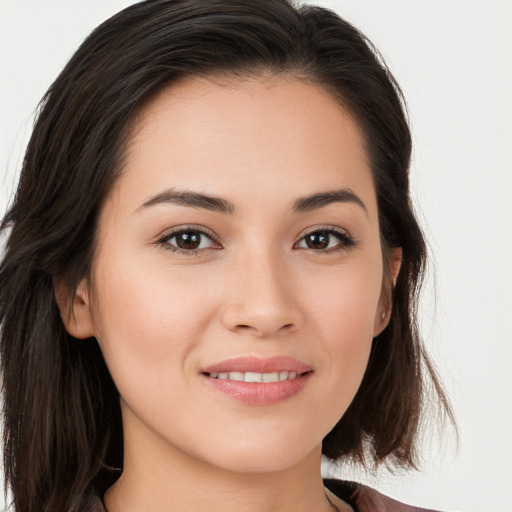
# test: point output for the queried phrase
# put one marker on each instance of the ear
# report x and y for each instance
(75, 308)
(383, 313)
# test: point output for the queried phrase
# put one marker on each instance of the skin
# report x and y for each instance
(257, 289)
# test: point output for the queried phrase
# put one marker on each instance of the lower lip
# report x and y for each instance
(260, 393)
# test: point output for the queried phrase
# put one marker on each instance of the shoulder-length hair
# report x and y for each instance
(62, 422)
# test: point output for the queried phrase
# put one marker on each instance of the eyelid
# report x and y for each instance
(325, 227)
(347, 241)
(172, 232)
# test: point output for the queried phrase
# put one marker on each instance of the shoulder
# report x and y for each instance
(361, 497)
(366, 499)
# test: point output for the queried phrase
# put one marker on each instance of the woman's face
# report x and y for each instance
(241, 243)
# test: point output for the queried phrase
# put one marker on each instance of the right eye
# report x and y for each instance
(188, 241)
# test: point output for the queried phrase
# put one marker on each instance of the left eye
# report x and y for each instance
(188, 240)
(325, 239)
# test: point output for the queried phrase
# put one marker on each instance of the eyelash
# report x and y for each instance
(345, 239)
(164, 240)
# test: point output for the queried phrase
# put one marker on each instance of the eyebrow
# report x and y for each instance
(192, 199)
(321, 199)
(218, 204)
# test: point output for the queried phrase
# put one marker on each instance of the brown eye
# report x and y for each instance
(188, 240)
(326, 240)
(318, 240)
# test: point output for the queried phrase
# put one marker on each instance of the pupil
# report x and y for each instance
(319, 240)
(188, 240)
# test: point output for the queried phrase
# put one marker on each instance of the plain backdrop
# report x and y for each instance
(453, 59)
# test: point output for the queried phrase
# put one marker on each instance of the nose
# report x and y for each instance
(261, 299)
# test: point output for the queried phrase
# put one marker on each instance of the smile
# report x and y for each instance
(255, 376)
(258, 381)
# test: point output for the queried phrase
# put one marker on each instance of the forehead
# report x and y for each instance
(245, 139)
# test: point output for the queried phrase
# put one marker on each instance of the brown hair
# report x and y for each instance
(62, 423)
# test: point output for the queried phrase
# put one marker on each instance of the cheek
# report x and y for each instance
(147, 321)
(342, 312)
(344, 302)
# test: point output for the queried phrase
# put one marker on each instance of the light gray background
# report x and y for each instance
(453, 59)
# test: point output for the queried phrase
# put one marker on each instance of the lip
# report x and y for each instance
(260, 365)
(259, 393)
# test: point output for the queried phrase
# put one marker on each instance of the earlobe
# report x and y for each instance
(75, 308)
(383, 313)
(381, 321)
(396, 263)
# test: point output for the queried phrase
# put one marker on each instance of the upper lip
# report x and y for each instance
(259, 365)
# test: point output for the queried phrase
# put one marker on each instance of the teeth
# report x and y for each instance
(270, 377)
(255, 376)
(249, 376)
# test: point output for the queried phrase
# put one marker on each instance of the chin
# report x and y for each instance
(263, 459)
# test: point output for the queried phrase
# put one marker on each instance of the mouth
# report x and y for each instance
(257, 381)
(252, 365)
(257, 376)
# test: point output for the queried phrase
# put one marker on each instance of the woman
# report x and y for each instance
(212, 270)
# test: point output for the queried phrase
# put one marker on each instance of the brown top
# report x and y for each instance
(366, 499)
(360, 497)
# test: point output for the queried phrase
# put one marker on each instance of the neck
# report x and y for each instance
(157, 477)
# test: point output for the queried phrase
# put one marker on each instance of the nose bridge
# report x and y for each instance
(260, 297)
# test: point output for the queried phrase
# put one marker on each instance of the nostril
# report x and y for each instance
(282, 328)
